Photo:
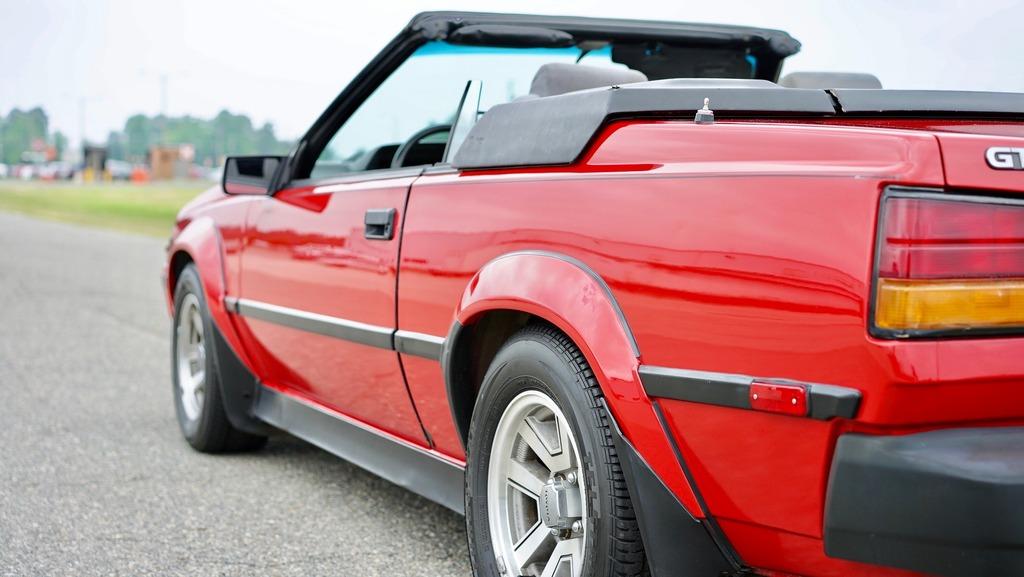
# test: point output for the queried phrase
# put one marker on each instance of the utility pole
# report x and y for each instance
(163, 94)
(163, 109)
(81, 122)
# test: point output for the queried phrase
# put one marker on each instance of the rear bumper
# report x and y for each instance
(943, 502)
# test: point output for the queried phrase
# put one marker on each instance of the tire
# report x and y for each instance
(538, 387)
(196, 388)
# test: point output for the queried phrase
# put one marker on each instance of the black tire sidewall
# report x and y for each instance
(195, 431)
(529, 362)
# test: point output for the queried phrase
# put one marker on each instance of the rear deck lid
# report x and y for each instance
(983, 162)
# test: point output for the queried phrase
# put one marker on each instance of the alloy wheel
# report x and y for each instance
(536, 498)
(191, 357)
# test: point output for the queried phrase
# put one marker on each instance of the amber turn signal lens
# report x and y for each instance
(927, 305)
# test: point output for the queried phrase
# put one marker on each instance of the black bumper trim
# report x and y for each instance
(947, 502)
(733, 390)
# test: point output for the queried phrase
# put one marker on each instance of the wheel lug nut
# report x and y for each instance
(555, 532)
(577, 526)
(571, 477)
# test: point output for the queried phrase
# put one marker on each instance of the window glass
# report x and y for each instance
(424, 92)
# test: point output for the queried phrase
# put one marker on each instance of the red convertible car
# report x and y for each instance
(633, 302)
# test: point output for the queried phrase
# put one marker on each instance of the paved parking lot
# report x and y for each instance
(94, 478)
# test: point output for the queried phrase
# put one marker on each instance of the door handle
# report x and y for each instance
(380, 223)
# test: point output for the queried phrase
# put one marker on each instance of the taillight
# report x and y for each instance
(948, 265)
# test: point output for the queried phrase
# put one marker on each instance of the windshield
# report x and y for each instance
(425, 91)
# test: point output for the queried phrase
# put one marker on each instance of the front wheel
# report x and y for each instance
(197, 395)
(545, 496)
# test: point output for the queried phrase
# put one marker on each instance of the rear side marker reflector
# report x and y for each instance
(778, 398)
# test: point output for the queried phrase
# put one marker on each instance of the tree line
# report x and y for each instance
(24, 131)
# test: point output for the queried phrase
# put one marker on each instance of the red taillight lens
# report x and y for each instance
(925, 238)
(949, 264)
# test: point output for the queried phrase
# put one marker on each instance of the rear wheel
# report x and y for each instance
(197, 395)
(545, 496)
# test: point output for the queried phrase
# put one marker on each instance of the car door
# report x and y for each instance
(318, 291)
(319, 266)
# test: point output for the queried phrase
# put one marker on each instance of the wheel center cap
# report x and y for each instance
(559, 504)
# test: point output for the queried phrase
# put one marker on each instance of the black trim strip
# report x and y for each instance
(731, 390)
(405, 465)
(697, 386)
(405, 342)
(362, 333)
(419, 344)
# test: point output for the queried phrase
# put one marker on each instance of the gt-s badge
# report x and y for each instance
(1005, 158)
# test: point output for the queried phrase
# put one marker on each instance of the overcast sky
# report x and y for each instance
(96, 62)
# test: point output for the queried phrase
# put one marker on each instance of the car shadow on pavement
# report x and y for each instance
(362, 505)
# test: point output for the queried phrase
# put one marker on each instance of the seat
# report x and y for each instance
(559, 78)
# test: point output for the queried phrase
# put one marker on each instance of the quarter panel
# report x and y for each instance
(730, 248)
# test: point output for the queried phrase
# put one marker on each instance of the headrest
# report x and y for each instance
(558, 78)
(826, 80)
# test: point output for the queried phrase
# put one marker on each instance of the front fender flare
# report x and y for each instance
(201, 242)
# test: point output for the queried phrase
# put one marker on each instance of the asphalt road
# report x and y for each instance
(94, 477)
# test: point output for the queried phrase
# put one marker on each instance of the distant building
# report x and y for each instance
(167, 162)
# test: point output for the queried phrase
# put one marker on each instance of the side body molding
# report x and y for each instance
(201, 241)
(567, 293)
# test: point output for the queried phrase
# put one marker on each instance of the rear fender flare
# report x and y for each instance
(568, 294)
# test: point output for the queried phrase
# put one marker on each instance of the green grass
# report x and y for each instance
(141, 208)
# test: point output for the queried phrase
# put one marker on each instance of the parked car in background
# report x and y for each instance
(56, 170)
(119, 169)
(24, 171)
(632, 301)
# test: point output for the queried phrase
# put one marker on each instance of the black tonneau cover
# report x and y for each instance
(929, 103)
(556, 129)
